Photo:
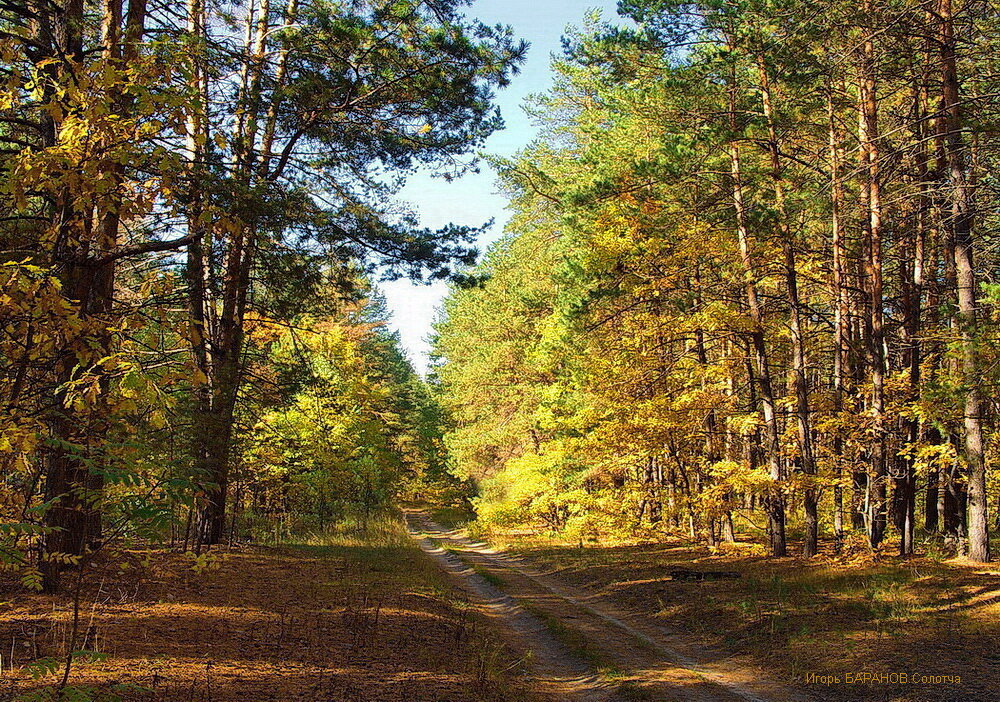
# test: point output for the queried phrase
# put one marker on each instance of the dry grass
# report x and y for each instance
(824, 616)
(356, 614)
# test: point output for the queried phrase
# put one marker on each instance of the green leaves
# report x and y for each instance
(352, 428)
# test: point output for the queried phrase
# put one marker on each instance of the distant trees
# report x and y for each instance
(760, 222)
(344, 434)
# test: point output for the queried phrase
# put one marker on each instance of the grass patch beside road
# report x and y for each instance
(797, 617)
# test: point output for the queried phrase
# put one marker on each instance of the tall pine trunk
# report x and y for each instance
(801, 382)
(960, 221)
(875, 494)
(774, 500)
(841, 306)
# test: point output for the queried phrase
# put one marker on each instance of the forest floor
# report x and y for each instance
(363, 620)
(915, 630)
(369, 617)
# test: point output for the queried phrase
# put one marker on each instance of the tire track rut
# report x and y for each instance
(636, 657)
(559, 672)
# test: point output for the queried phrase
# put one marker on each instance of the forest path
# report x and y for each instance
(558, 672)
(638, 659)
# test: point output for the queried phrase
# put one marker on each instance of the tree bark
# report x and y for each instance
(775, 502)
(254, 144)
(803, 424)
(71, 484)
(960, 221)
(875, 495)
(841, 307)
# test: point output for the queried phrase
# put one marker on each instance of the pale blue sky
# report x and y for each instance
(473, 200)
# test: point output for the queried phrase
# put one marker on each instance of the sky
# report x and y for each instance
(473, 199)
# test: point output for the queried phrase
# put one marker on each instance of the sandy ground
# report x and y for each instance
(633, 657)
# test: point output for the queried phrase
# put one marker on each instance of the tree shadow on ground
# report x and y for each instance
(804, 619)
(323, 623)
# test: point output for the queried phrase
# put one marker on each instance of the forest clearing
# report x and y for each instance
(695, 399)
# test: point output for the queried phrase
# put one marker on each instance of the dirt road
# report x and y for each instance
(583, 644)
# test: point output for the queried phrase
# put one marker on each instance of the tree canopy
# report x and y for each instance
(738, 292)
